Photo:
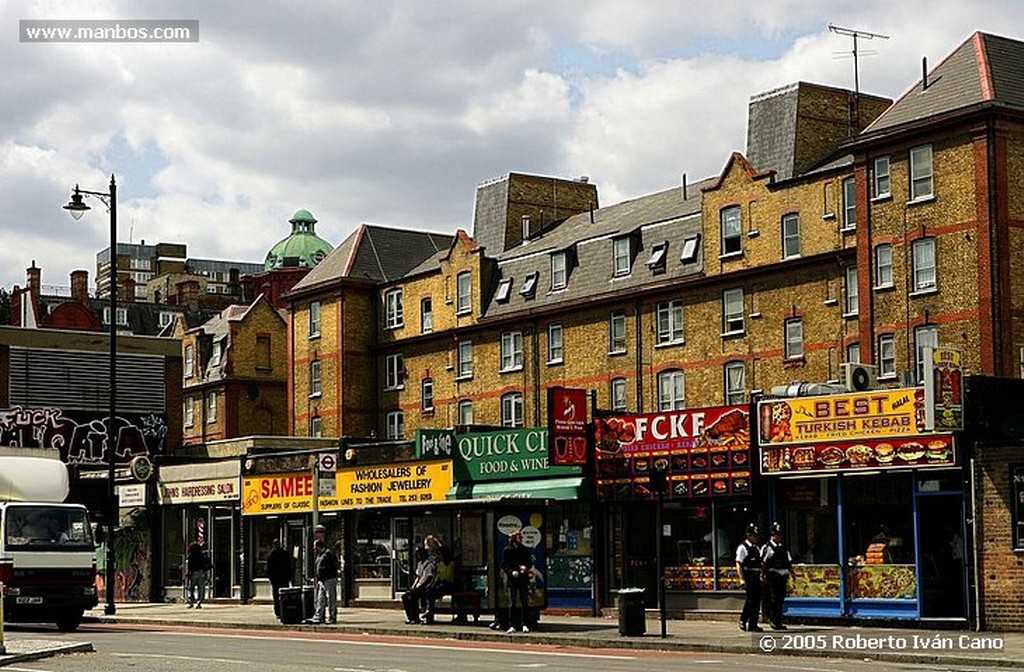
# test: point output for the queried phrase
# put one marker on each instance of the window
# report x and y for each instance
(853, 353)
(427, 394)
(393, 317)
(883, 265)
(731, 242)
(555, 343)
(314, 319)
(315, 427)
(426, 315)
(211, 408)
(658, 256)
(464, 289)
(122, 316)
(691, 248)
(190, 415)
(921, 172)
(620, 256)
(924, 264)
(189, 363)
(504, 290)
(511, 351)
(395, 425)
(394, 366)
(263, 352)
(794, 338)
(851, 291)
(732, 311)
(617, 394)
(529, 287)
(465, 412)
(166, 318)
(558, 270)
(881, 173)
(670, 322)
(849, 204)
(790, 236)
(886, 355)
(924, 337)
(314, 378)
(735, 383)
(512, 409)
(671, 388)
(215, 353)
(465, 365)
(617, 332)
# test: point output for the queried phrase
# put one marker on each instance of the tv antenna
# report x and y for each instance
(855, 33)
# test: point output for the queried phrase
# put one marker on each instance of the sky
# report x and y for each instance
(392, 112)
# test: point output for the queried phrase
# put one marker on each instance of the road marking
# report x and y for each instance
(801, 669)
(532, 665)
(22, 669)
(194, 658)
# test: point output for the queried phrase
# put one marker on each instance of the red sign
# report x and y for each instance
(705, 453)
(567, 424)
(918, 451)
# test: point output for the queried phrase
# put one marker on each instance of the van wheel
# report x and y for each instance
(70, 621)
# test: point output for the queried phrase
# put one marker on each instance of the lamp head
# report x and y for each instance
(76, 206)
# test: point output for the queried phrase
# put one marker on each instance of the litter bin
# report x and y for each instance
(291, 605)
(632, 619)
(308, 602)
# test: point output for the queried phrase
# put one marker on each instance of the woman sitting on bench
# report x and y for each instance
(444, 582)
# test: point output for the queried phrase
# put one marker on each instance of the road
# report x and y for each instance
(140, 648)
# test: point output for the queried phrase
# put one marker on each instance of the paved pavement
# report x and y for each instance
(883, 643)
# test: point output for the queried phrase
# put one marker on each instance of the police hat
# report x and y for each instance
(752, 529)
(776, 528)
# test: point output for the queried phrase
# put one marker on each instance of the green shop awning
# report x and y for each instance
(562, 489)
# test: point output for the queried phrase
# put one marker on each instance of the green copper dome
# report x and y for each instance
(303, 248)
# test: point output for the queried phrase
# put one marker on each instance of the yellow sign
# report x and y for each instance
(837, 417)
(281, 493)
(394, 484)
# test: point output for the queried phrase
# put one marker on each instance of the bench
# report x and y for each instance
(462, 603)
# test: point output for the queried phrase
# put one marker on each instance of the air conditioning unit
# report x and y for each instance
(859, 377)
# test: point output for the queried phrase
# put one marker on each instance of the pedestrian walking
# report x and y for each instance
(326, 570)
(749, 568)
(777, 565)
(197, 567)
(279, 572)
(517, 564)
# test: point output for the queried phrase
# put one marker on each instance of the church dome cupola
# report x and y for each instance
(302, 248)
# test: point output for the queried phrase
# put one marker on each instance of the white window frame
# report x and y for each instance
(190, 361)
(691, 249)
(165, 318)
(881, 179)
(883, 266)
(464, 360)
(853, 353)
(393, 314)
(426, 315)
(315, 379)
(529, 288)
(512, 409)
(671, 390)
(617, 341)
(793, 336)
(669, 322)
(211, 408)
(922, 184)
(314, 319)
(731, 225)
(617, 394)
(925, 272)
(464, 293)
(732, 312)
(621, 253)
(790, 235)
(315, 427)
(190, 412)
(394, 368)
(504, 290)
(556, 346)
(427, 394)
(886, 355)
(465, 412)
(734, 382)
(852, 292)
(559, 268)
(511, 351)
(925, 336)
(216, 352)
(659, 256)
(849, 204)
(394, 427)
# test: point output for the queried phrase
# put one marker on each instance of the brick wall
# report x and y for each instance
(1001, 569)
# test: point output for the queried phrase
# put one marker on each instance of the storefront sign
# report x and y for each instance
(189, 492)
(943, 389)
(507, 455)
(434, 443)
(880, 414)
(394, 484)
(705, 452)
(281, 493)
(567, 420)
(934, 450)
(131, 495)
(1017, 504)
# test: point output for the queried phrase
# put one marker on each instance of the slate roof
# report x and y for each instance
(984, 69)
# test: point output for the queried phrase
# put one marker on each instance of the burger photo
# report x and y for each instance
(911, 451)
(884, 452)
(937, 450)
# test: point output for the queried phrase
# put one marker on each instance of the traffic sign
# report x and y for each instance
(328, 463)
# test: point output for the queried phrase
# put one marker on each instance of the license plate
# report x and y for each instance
(29, 600)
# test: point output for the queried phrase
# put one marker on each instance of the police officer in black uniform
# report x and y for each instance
(778, 564)
(749, 565)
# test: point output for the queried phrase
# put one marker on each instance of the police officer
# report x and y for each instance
(748, 565)
(777, 565)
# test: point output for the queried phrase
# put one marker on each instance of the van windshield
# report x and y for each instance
(47, 528)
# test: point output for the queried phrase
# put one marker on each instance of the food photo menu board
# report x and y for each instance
(704, 453)
(918, 451)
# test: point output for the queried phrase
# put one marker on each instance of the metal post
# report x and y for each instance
(113, 510)
(3, 649)
(661, 579)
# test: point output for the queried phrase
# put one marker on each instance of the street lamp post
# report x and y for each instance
(77, 207)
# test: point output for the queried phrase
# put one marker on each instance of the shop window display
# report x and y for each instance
(570, 559)
(808, 512)
(700, 553)
(880, 537)
(371, 551)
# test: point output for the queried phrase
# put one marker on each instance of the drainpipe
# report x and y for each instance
(637, 321)
(535, 365)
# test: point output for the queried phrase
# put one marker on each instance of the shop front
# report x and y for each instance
(871, 505)
(706, 457)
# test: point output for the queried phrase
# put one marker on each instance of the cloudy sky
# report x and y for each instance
(392, 112)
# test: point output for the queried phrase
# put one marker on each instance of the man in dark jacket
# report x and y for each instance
(279, 571)
(326, 585)
(778, 564)
(517, 564)
(749, 568)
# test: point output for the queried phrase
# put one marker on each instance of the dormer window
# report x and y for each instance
(620, 257)
(529, 287)
(216, 354)
(504, 290)
(657, 261)
(558, 270)
(691, 248)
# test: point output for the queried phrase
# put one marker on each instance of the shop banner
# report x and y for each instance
(190, 492)
(909, 452)
(506, 455)
(705, 452)
(943, 389)
(394, 484)
(434, 444)
(567, 422)
(880, 414)
(281, 493)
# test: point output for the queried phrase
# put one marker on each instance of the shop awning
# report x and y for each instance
(562, 489)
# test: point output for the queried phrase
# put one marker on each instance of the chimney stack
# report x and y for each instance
(34, 280)
(80, 286)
